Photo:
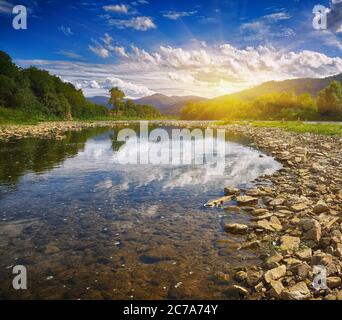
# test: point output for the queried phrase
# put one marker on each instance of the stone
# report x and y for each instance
(254, 192)
(276, 289)
(339, 249)
(236, 228)
(259, 212)
(275, 223)
(317, 168)
(275, 274)
(299, 207)
(333, 282)
(304, 254)
(289, 243)
(236, 291)
(259, 287)
(222, 278)
(242, 200)
(264, 224)
(277, 202)
(251, 245)
(231, 191)
(218, 202)
(263, 217)
(326, 260)
(240, 276)
(299, 291)
(302, 270)
(273, 260)
(233, 209)
(253, 277)
(320, 207)
(51, 249)
(339, 195)
(311, 229)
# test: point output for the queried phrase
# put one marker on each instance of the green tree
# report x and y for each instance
(116, 98)
(329, 101)
(7, 67)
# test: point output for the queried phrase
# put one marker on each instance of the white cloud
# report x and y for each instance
(99, 51)
(266, 28)
(205, 71)
(137, 23)
(69, 54)
(175, 15)
(131, 90)
(117, 8)
(66, 30)
(5, 7)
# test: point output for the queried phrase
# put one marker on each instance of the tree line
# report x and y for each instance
(272, 106)
(127, 107)
(35, 94)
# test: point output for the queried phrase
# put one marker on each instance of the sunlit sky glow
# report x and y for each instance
(206, 48)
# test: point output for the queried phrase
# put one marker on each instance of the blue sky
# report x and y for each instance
(206, 48)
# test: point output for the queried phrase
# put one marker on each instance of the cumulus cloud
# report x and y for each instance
(175, 15)
(117, 8)
(99, 51)
(131, 90)
(205, 71)
(136, 23)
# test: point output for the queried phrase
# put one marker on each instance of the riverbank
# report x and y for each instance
(295, 214)
(296, 221)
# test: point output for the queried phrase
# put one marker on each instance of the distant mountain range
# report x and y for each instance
(102, 100)
(299, 86)
(168, 105)
(165, 104)
(173, 105)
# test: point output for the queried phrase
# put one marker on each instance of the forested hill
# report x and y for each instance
(302, 85)
(38, 94)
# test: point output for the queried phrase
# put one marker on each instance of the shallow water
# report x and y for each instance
(88, 226)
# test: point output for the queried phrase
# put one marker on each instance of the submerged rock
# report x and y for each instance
(236, 228)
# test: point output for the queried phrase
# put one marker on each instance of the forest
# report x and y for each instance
(272, 106)
(34, 94)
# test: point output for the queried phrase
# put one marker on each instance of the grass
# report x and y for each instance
(328, 129)
(17, 117)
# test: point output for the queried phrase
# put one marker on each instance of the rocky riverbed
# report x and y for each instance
(295, 222)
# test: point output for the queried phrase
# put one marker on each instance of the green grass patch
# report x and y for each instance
(10, 116)
(328, 129)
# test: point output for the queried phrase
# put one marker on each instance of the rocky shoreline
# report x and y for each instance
(295, 221)
(48, 130)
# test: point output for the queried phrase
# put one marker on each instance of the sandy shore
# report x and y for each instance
(295, 221)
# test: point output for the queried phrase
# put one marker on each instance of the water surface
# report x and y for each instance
(89, 227)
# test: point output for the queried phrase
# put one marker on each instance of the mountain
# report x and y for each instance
(171, 105)
(101, 100)
(165, 104)
(299, 86)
